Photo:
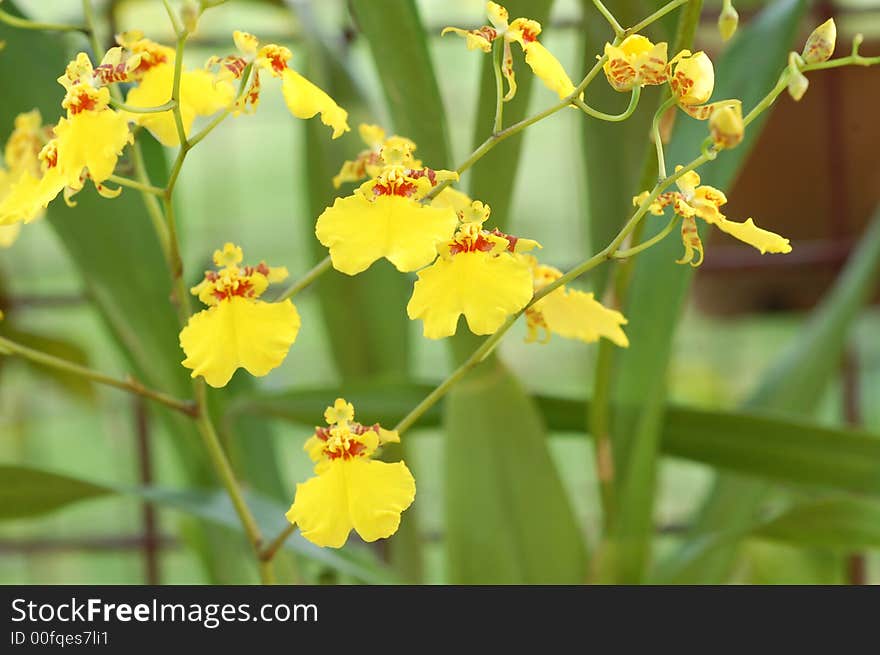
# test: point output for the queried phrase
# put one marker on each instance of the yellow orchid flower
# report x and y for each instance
(21, 157)
(238, 330)
(386, 218)
(703, 201)
(635, 62)
(303, 98)
(87, 144)
(726, 124)
(369, 163)
(477, 274)
(568, 312)
(523, 31)
(692, 79)
(151, 65)
(351, 490)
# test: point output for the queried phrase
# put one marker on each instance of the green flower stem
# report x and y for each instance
(655, 135)
(626, 254)
(277, 543)
(317, 271)
(25, 24)
(224, 470)
(91, 25)
(657, 15)
(175, 87)
(612, 118)
(129, 384)
(618, 30)
(497, 63)
(134, 184)
(158, 109)
(855, 59)
(175, 22)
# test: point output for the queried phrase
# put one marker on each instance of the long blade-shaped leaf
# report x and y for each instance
(779, 449)
(793, 385)
(659, 286)
(29, 492)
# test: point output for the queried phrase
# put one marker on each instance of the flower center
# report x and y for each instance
(346, 440)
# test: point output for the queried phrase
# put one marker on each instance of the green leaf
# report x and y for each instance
(59, 347)
(215, 506)
(380, 345)
(840, 523)
(27, 492)
(398, 43)
(398, 46)
(777, 448)
(659, 287)
(507, 516)
(794, 384)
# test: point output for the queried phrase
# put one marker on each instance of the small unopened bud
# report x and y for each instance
(857, 42)
(797, 85)
(726, 125)
(820, 44)
(189, 14)
(797, 82)
(728, 20)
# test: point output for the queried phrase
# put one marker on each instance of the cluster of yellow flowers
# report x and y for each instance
(402, 211)
(86, 144)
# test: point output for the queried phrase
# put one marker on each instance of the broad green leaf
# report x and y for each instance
(399, 49)
(659, 286)
(846, 524)
(215, 506)
(27, 492)
(491, 180)
(58, 347)
(379, 347)
(776, 448)
(507, 516)
(794, 384)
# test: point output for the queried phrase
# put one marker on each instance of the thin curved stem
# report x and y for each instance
(158, 109)
(175, 87)
(653, 18)
(317, 271)
(497, 56)
(644, 245)
(658, 140)
(134, 184)
(7, 346)
(612, 118)
(277, 543)
(25, 24)
(612, 21)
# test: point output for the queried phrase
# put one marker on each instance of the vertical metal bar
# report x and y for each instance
(150, 546)
(856, 563)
